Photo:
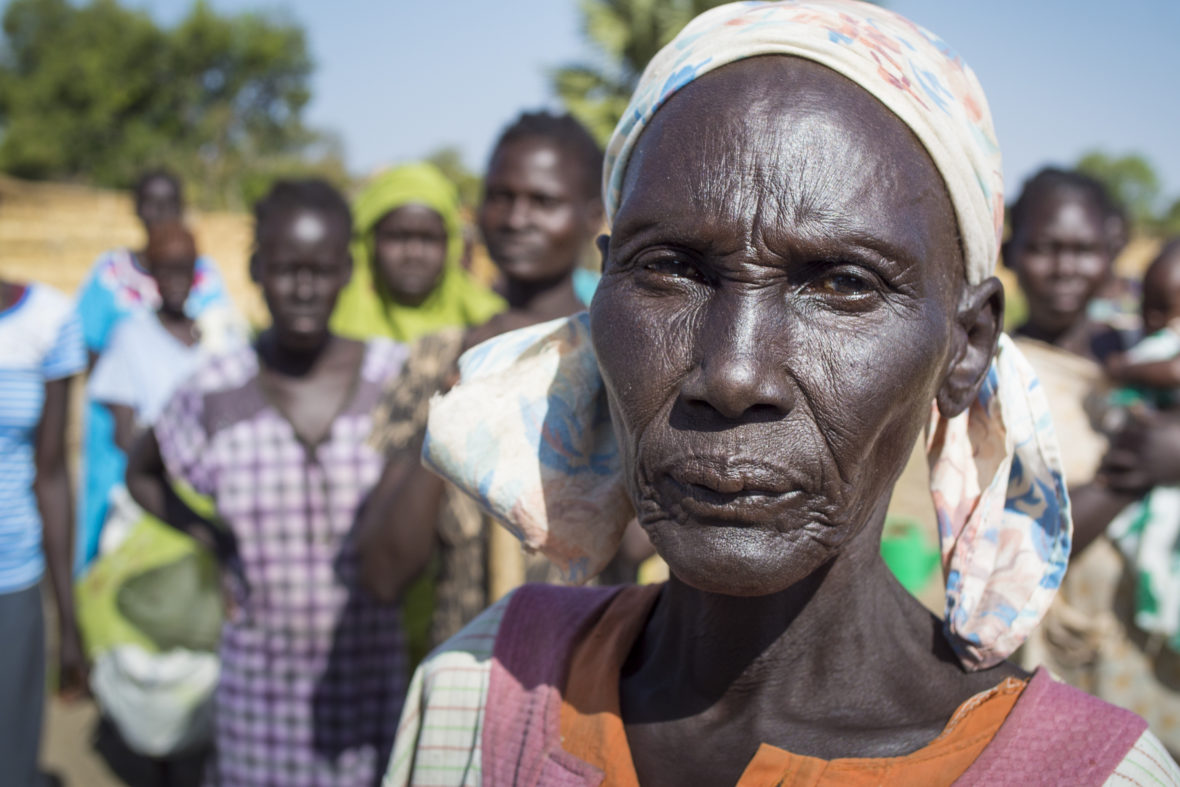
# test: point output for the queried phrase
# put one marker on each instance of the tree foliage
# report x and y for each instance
(1133, 181)
(97, 92)
(450, 163)
(625, 35)
(1130, 179)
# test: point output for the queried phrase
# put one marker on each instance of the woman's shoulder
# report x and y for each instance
(224, 371)
(38, 319)
(1148, 762)
(1059, 731)
(48, 302)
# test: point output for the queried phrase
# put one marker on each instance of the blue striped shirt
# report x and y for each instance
(40, 340)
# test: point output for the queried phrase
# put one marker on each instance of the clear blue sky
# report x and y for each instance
(399, 78)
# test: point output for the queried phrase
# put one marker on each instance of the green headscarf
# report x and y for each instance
(365, 309)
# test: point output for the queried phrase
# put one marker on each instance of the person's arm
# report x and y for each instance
(125, 430)
(1094, 506)
(1150, 374)
(1144, 454)
(52, 490)
(147, 482)
(396, 531)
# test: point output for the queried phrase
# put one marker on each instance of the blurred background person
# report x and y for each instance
(407, 279)
(120, 283)
(1061, 252)
(41, 351)
(155, 680)
(540, 212)
(313, 673)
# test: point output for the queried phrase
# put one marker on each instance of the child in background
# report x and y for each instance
(313, 672)
(1147, 532)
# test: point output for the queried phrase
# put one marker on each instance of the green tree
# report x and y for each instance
(1169, 221)
(97, 92)
(625, 35)
(1130, 179)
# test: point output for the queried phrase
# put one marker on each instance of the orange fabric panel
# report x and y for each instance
(592, 727)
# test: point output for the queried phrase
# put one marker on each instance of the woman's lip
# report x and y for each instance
(728, 476)
(747, 507)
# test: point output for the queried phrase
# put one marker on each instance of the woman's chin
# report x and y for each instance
(735, 561)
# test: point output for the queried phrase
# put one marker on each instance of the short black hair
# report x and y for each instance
(302, 194)
(566, 133)
(154, 174)
(1051, 179)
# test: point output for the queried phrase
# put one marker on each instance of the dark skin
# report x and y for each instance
(159, 200)
(1161, 305)
(785, 271)
(540, 211)
(1144, 454)
(538, 214)
(308, 373)
(172, 266)
(409, 252)
(55, 502)
(1060, 253)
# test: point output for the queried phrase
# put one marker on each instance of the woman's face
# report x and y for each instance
(409, 251)
(536, 217)
(774, 319)
(158, 201)
(1061, 256)
(302, 263)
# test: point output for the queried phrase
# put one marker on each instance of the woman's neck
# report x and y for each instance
(10, 293)
(1074, 338)
(291, 360)
(791, 667)
(548, 299)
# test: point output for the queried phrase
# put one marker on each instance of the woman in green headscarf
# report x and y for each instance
(407, 281)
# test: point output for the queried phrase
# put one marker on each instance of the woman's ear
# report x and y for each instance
(977, 328)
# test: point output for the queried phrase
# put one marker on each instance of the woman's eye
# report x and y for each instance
(844, 284)
(674, 268)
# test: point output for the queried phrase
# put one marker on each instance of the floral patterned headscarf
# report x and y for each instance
(527, 431)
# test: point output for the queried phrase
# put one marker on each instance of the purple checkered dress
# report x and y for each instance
(313, 672)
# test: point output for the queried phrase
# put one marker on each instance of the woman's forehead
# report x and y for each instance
(792, 140)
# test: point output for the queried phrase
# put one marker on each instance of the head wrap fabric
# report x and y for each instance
(365, 309)
(526, 430)
(905, 67)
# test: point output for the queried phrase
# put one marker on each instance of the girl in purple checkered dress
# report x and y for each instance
(312, 670)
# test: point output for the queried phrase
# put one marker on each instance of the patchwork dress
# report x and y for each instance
(313, 672)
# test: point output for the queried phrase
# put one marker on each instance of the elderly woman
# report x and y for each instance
(805, 205)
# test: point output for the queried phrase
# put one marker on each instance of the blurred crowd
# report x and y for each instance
(264, 558)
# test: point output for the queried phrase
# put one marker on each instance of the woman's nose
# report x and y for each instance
(741, 373)
(304, 284)
(518, 213)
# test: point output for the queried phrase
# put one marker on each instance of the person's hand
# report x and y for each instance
(73, 681)
(1115, 365)
(1144, 454)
